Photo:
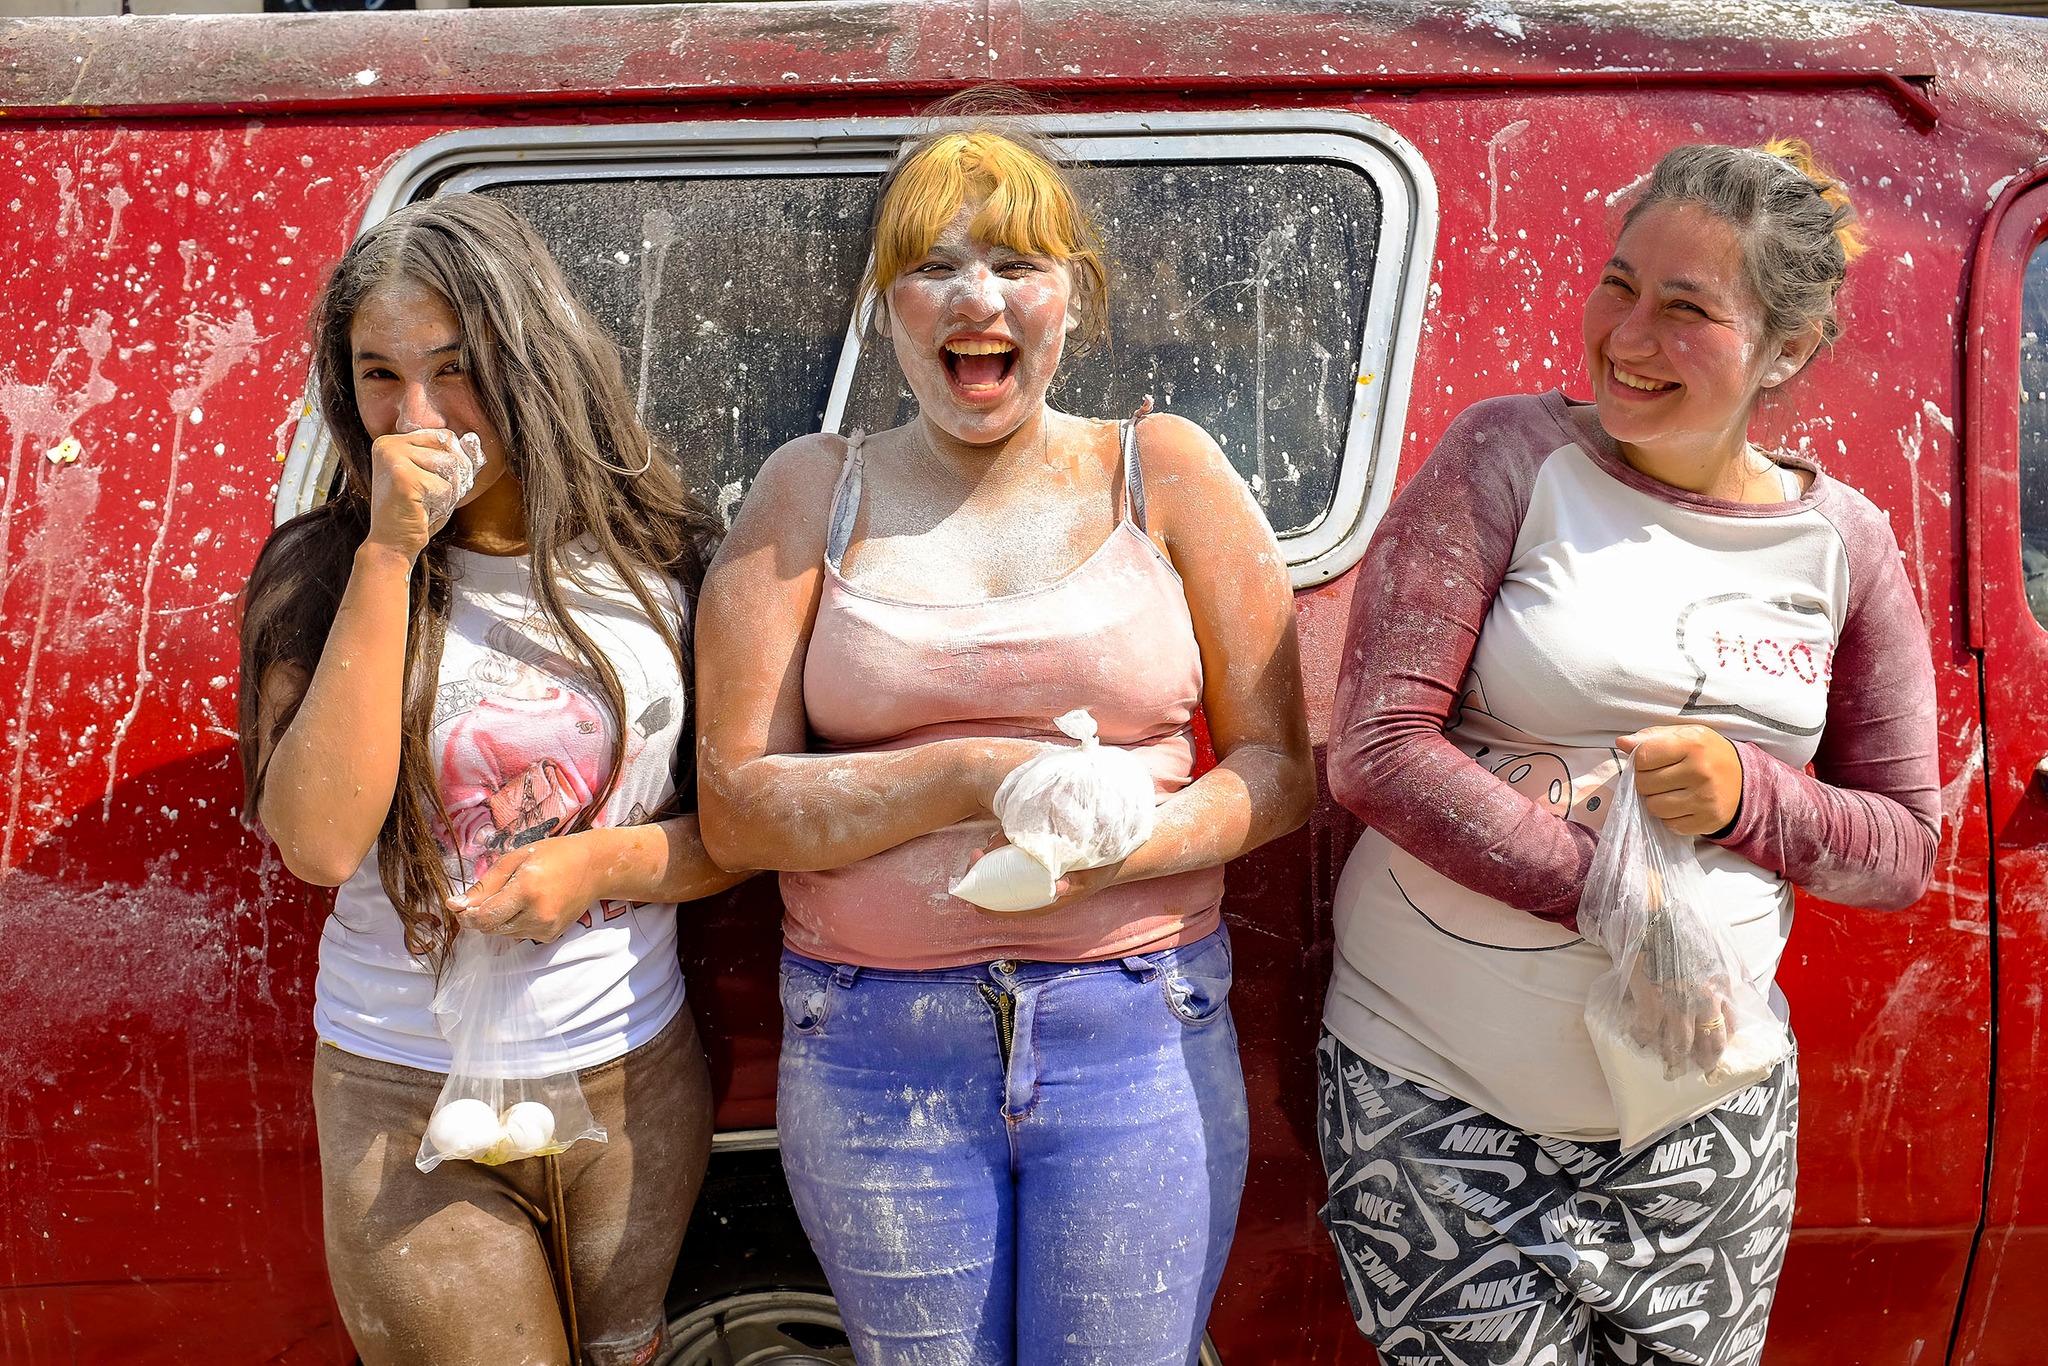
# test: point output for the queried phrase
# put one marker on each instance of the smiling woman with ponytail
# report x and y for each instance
(1564, 588)
(465, 703)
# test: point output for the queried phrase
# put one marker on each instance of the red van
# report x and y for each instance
(1334, 225)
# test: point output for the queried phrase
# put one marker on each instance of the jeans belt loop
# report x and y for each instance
(1144, 969)
(845, 973)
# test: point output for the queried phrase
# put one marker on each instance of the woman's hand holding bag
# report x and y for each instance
(1067, 809)
(1676, 1023)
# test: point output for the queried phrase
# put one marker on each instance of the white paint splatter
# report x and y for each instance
(46, 411)
(1493, 146)
(729, 496)
(117, 200)
(1955, 793)
(68, 212)
(1499, 17)
(212, 349)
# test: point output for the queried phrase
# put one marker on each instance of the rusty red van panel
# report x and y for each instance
(174, 189)
(723, 53)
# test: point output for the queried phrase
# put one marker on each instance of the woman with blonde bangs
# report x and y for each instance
(1012, 1138)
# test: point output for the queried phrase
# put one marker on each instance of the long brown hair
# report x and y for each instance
(552, 384)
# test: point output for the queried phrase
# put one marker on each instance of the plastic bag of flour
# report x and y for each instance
(1676, 1023)
(469, 463)
(1064, 810)
(511, 1092)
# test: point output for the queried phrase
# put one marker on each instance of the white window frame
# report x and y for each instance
(473, 159)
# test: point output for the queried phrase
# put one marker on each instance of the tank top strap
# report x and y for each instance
(1133, 494)
(1788, 484)
(845, 501)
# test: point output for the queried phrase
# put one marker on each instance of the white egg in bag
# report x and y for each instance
(511, 1091)
(1064, 810)
(529, 1128)
(465, 1128)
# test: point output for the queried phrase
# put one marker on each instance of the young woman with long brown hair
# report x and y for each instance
(463, 701)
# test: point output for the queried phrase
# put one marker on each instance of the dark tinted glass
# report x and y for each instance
(729, 296)
(1238, 297)
(2034, 433)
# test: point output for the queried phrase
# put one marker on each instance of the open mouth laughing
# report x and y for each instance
(979, 366)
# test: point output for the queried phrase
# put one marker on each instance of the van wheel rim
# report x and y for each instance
(761, 1328)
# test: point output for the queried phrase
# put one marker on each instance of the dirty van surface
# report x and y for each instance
(1334, 226)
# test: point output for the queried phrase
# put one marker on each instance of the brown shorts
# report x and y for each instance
(447, 1268)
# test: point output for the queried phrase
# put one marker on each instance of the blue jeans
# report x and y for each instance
(1017, 1164)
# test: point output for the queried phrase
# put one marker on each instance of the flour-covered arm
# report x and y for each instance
(1423, 591)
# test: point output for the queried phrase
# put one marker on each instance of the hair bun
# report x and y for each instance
(1797, 154)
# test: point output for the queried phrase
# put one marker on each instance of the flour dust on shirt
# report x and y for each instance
(1621, 604)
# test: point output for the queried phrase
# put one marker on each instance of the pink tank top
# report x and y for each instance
(1112, 635)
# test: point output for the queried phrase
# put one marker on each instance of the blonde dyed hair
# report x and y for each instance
(1021, 198)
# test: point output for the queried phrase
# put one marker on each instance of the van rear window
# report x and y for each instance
(1237, 300)
(1269, 271)
(2034, 433)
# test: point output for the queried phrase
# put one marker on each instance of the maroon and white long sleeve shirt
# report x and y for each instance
(1529, 598)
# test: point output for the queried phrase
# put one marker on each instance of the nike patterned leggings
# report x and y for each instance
(1466, 1241)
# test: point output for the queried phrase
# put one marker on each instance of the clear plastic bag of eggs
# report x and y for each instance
(512, 1091)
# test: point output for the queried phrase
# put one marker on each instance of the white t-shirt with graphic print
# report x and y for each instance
(521, 742)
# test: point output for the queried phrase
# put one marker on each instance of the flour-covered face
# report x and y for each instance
(978, 330)
(406, 344)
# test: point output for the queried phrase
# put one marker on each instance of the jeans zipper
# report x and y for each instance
(1004, 1007)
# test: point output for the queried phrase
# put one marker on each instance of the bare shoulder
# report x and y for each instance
(1188, 480)
(1177, 447)
(791, 498)
(799, 468)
